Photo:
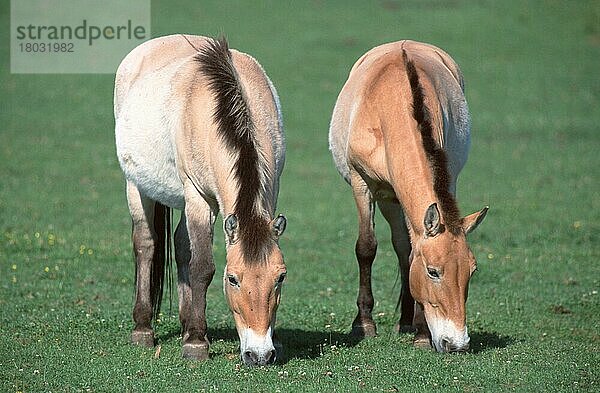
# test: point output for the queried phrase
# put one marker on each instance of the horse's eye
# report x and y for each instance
(281, 278)
(233, 281)
(434, 273)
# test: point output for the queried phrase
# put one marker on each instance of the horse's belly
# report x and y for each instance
(146, 148)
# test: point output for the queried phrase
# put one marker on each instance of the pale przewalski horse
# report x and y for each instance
(399, 136)
(199, 128)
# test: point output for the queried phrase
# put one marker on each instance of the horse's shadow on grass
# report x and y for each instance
(297, 343)
(484, 341)
(306, 344)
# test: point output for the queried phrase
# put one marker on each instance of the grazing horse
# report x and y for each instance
(199, 129)
(399, 136)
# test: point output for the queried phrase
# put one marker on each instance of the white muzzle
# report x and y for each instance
(446, 337)
(257, 350)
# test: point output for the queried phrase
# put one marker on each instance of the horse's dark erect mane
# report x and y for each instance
(435, 154)
(236, 129)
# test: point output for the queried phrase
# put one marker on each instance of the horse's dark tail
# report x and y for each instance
(161, 262)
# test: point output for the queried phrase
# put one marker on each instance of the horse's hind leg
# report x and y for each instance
(366, 248)
(393, 214)
(182, 256)
(144, 246)
(199, 219)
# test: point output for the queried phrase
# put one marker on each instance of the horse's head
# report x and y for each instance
(253, 291)
(441, 267)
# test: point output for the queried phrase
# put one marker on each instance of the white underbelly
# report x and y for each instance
(145, 142)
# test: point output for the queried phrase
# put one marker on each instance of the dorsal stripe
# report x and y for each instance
(236, 128)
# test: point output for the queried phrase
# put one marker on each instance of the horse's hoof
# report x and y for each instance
(195, 351)
(422, 341)
(401, 329)
(143, 338)
(364, 330)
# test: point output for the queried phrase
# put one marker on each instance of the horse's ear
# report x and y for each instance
(431, 222)
(472, 221)
(278, 226)
(230, 225)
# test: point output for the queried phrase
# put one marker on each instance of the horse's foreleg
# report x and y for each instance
(144, 246)
(366, 248)
(200, 219)
(392, 212)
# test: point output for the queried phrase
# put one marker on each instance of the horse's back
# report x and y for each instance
(146, 116)
(150, 57)
(163, 115)
(376, 101)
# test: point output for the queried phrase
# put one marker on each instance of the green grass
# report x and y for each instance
(531, 68)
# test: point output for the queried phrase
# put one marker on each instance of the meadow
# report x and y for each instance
(532, 83)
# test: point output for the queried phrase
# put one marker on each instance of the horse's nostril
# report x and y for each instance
(250, 358)
(449, 346)
(270, 357)
(446, 344)
(256, 358)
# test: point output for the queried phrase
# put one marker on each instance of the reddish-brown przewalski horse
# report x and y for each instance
(399, 136)
(199, 128)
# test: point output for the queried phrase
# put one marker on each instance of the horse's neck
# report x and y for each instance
(412, 176)
(415, 194)
(227, 203)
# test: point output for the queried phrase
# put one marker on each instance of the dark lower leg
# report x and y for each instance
(184, 291)
(392, 211)
(407, 303)
(363, 325)
(143, 310)
(144, 247)
(366, 247)
(407, 307)
(142, 215)
(201, 275)
(422, 336)
(195, 340)
(199, 224)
